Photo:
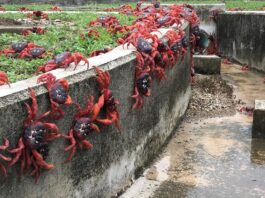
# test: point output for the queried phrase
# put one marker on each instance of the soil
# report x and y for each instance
(8, 22)
(211, 97)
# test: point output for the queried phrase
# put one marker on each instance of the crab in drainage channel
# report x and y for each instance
(58, 94)
(32, 147)
(82, 126)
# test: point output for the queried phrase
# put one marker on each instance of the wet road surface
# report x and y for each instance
(211, 157)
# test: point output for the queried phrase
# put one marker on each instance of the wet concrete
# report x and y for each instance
(211, 157)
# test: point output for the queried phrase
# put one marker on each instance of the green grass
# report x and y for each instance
(250, 5)
(66, 38)
(56, 40)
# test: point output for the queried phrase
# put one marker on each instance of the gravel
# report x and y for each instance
(211, 97)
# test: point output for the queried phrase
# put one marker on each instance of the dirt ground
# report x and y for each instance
(211, 97)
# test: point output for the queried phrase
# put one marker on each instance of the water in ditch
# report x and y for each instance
(212, 153)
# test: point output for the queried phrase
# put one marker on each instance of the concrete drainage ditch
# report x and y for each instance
(143, 132)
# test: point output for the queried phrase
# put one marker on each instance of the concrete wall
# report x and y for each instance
(111, 164)
(241, 35)
(204, 12)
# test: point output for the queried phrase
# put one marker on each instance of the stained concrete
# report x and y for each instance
(210, 157)
(111, 164)
(258, 129)
(241, 35)
(207, 64)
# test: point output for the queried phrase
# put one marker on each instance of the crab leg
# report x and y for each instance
(40, 161)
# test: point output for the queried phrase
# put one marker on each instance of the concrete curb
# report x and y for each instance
(207, 64)
(258, 128)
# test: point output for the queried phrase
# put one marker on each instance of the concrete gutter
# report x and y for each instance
(110, 165)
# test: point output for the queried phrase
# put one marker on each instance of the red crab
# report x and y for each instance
(247, 110)
(63, 60)
(156, 3)
(178, 43)
(2, 148)
(112, 114)
(213, 45)
(215, 12)
(2, 9)
(235, 9)
(82, 126)
(104, 21)
(99, 52)
(32, 147)
(58, 93)
(144, 47)
(245, 67)
(18, 48)
(3, 78)
(143, 83)
(38, 15)
(262, 8)
(166, 21)
(91, 33)
(36, 52)
(56, 8)
(23, 9)
(226, 61)
(37, 30)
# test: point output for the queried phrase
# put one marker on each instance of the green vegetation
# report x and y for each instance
(56, 40)
(244, 4)
(66, 36)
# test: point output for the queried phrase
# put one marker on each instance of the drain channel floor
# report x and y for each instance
(211, 157)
